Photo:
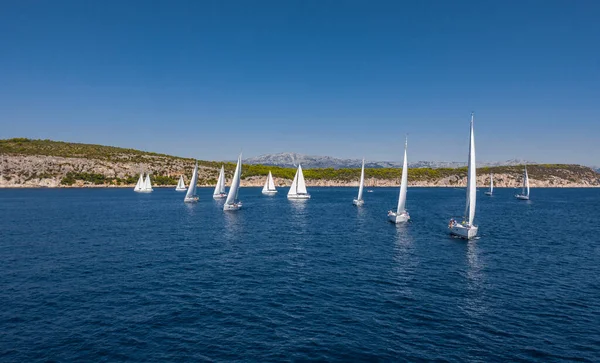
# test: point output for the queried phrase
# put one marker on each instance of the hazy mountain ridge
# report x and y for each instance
(290, 160)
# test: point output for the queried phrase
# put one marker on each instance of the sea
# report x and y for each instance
(112, 275)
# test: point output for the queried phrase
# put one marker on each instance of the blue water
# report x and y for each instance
(112, 275)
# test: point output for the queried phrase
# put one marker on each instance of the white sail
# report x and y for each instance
(403, 183)
(491, 183)
(301, 186)
(525, 183)
(235, 183)
(140, 183)
(180, 184)
(265, 188)
(271, 182)
(362, 181)
(294, 186)
(218, 186)
(222, 176)
(147, 183)
(471, 179)
(191, 193)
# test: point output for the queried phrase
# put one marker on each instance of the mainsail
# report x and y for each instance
(362, 181)
(301, 186)
(220, 188)
(471, 179)
(191, 193)
(403, 183)
(525, 190)
(235, 183)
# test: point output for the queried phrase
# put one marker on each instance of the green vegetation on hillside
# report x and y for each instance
(109, 154)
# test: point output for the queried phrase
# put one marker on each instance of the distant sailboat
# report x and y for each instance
(143, 185)
(358, 201)
(401, 214)
(220, 188)
(466, 229)
(232, 202)
(525, 190)
(491, 191)
(190, 196)
(148, 184)
(269, 188)
(298, 188)
(181, 185)
(139, 186)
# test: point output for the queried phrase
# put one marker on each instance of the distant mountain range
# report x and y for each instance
(311, 162)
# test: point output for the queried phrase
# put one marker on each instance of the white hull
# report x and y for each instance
(269, 192)
(180, 189)
(234, 206)
(358, 202)
(488, 193)
(521, 197)
(299, 196)
(191, 200)
(144, 191)
(464, 231)
(398, 218)
(220, 196)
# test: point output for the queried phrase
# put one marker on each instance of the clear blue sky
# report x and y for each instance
(340, 78)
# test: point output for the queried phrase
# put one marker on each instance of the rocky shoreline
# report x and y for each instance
(42, 171)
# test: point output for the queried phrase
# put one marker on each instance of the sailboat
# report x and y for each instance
(139, 186)
(220, 188)
(525, 190)
(491, 191)
(180, 185)
(232, 202)
(358, 201)
(466, 229)
(148, 184)
(190, 196)
(269, 188)
(298, 188)
(143, 185)
(401, 214)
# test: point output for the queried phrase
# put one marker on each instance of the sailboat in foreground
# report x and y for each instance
(525, 190)
(232, 203)
(491, 191)
(298, 188)
(220, 188)
(180, 185)
(143, 185)
(358, 201)
(190, 196)
(269, 188)
(401, 214)
(466, 229)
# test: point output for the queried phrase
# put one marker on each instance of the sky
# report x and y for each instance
(208, 79)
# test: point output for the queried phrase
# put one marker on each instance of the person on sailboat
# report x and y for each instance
(452, 223)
